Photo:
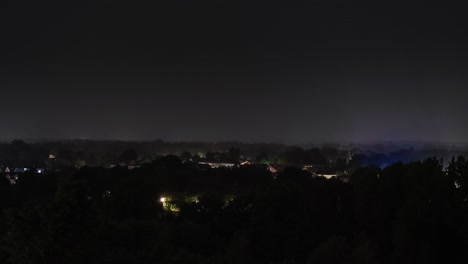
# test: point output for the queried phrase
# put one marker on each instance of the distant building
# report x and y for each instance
(327, 176)
(21, 170)
(272, 169)
(216, 165)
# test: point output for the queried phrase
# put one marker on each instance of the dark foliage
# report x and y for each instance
(403, 213)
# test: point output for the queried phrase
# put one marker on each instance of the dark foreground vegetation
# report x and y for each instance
(168, 211)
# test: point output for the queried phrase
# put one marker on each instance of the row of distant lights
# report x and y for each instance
(40, 171)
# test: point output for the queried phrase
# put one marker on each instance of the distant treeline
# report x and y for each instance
(104, 153)
(78, 153)
(404, 213)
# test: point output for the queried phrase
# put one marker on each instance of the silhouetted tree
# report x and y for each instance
(128, 156)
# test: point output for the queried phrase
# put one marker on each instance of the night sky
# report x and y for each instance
(288, 71)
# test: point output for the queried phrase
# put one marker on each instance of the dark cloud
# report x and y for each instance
(293, 71)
